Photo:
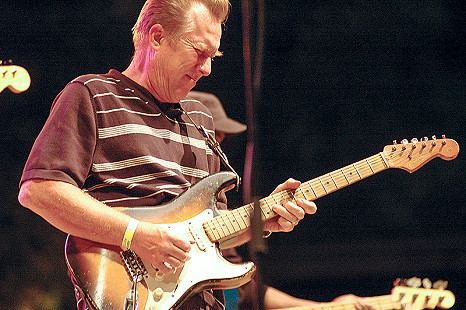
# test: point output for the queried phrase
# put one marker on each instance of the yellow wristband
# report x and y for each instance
(266, 234)
(126, 243)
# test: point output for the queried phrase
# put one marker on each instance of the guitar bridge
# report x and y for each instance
(134, 265)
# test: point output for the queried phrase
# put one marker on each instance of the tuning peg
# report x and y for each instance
(399, 282)
(414, 141)
(440, 285)
(434, 142)
(394, 146)
(426, 283)
(424, 141)
(404, 142)
(414, 282)
(444, 141)
(6, 62)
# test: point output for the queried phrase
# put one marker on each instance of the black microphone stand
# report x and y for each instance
(257, 251)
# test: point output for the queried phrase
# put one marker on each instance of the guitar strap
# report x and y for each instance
(214, 146)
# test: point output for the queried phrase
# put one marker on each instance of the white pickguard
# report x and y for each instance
(205, 266)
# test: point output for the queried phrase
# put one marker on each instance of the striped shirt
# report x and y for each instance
(109, 136)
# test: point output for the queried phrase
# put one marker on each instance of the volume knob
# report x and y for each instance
(157, 293)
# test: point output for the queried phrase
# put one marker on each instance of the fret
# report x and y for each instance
(379, 162)
(234, 223)
(339, 178)
(323, 186)
(212, 232)
(228, 224)
(266, 210)
(329, 183)
(289, 195)
(319, 190)
(352, 174)
(300, 189)
(383, 160)
(242, 211)
(248, 210)
(357, 171)
(344, 174)
(264, 203)
(220, 226)
(308, 184)
(333, 180)
(370, 166)
(363, 169)
(274, 199)
(240, 219)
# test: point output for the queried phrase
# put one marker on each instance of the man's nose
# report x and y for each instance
(206, 66)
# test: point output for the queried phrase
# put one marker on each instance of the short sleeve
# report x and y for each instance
(64, 149)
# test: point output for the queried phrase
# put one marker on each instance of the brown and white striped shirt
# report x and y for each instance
(109, 136)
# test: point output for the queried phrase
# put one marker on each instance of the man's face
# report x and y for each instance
(179, 65)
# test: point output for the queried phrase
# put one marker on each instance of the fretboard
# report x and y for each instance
(378, 302)
(235, 222)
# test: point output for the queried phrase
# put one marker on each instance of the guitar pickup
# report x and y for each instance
(199, 236)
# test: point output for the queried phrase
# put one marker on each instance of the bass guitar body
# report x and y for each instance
(107, 274)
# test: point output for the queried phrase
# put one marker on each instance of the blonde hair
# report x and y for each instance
(173, 16)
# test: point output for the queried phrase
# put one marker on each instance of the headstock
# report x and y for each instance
(16, 78)
(411, 156)
(416, 298)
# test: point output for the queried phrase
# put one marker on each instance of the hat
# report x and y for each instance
(221, 121)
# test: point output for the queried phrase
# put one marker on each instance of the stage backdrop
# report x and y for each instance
(340, 81)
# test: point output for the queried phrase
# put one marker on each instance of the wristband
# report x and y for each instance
(126, 243)
(266, 234)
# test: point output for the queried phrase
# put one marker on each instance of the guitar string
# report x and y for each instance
(292, 196)
(322, 186)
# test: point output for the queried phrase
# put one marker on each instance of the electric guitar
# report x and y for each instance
(402, 297)
(16, 78)
(113, 279)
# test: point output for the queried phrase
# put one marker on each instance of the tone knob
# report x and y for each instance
(157, 293)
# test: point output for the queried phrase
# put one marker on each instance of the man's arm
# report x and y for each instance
(276, 299)
(69, 209)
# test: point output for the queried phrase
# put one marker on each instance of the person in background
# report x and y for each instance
(127, 139)
(273, 299)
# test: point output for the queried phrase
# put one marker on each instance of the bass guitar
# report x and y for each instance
(111, 278)
(401, 298)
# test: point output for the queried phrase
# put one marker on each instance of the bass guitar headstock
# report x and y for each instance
(411, 156)
(415, 298)
(15, 78)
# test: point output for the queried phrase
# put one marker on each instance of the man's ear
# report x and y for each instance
(156, 34)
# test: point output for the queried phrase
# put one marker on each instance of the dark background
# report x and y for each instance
(341, 79)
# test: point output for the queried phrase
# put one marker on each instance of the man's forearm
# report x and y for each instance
(72, 211)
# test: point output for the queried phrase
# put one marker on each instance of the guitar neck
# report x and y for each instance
(235, 222)
(402, 297)
(407, 156)
(379, 303)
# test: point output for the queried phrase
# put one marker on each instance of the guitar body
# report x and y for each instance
(106, 277)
